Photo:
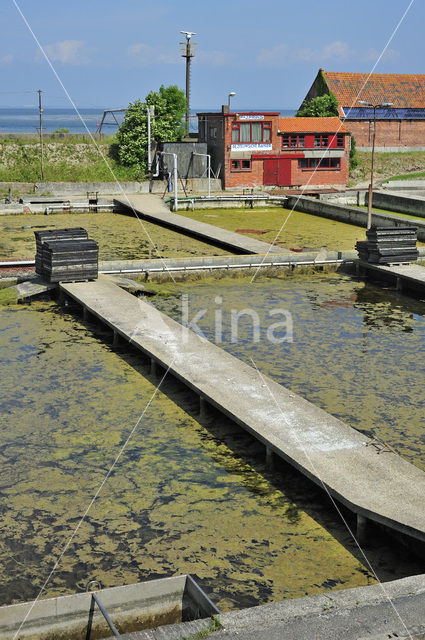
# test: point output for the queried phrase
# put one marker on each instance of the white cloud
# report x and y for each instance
(145, 54)
(67, 52)
(372, 55)
(275, 57)
(283, 56)
(214, 58)
(6, 59)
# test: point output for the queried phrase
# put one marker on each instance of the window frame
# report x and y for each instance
(238, 162)
(265, 126)
(319, 164)
(321, 140)
(298, 138)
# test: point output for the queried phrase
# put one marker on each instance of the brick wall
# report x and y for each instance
(323, 177)
(389, 133)
(240, 179)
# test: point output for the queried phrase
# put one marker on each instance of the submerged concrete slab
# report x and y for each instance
(377, 485)
(152, 208)
(28, 289)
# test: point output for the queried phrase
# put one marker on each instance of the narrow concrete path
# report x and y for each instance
(375, 484)
(152, 208)
(410, 275)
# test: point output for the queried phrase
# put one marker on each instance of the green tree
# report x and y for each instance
(321, 106)
(166, 126)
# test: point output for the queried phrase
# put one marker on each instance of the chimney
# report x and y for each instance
(225, 108)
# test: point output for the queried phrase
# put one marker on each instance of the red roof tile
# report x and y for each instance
(312, 125)
(402, 89)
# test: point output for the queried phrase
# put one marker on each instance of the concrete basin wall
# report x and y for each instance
(352, 215)
(135, 606)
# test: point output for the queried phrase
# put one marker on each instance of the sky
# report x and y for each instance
(110, 52)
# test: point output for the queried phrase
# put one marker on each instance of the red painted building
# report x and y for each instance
(263, 149)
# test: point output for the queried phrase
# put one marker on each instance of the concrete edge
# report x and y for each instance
(287, 610)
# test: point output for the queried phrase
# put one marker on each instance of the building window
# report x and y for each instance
(340, 140)
(319, 163)
(321, 140)
(240, 165)
(251, 131)
(213, 133)
(293, 141)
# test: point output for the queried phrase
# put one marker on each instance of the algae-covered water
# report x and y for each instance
(185, 496)
(285, 228)
(119, 236)
(357, 349)
(125, 237)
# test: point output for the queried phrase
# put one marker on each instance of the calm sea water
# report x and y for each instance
(26, 120)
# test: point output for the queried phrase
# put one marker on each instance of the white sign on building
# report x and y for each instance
(252, 146)
(248, 116)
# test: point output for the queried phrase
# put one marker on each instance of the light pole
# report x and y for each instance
(151, 112)
(380, 105)
(231, 94)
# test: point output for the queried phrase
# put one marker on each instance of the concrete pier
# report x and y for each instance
(153, 209)
(382, 488)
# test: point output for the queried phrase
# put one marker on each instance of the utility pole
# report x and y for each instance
(40, 109)
(187, 50)
(381, 105)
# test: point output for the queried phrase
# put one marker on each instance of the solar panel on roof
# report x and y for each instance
(366, 113)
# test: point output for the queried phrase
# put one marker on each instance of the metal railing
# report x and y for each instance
(95, 600)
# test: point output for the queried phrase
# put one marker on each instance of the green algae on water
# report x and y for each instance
(185, 497)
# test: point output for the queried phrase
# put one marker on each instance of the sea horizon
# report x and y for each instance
(26, 119)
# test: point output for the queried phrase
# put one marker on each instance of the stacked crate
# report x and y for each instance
(66, 255)
(389, 245)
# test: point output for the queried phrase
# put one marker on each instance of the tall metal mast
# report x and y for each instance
(40, 110)
(187, 50)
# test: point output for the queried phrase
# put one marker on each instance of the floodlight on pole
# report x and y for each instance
(231, 95)
(187, 50)
(379, 105)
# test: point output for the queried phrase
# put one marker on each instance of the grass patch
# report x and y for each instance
(76, 160)
(397, 166)
(410, 176)
(8, 296)
(215, 625)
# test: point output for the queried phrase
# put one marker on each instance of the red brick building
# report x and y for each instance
(398, 128)
(263, 149)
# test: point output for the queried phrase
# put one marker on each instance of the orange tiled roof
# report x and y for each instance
(312, 125)
(404, 90)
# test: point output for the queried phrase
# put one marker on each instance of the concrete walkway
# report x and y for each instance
(152, 208)
(373, 483)
(411, 276)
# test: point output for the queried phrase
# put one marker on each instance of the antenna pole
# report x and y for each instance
(40, 109)
(187, 50)
(188, 56)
